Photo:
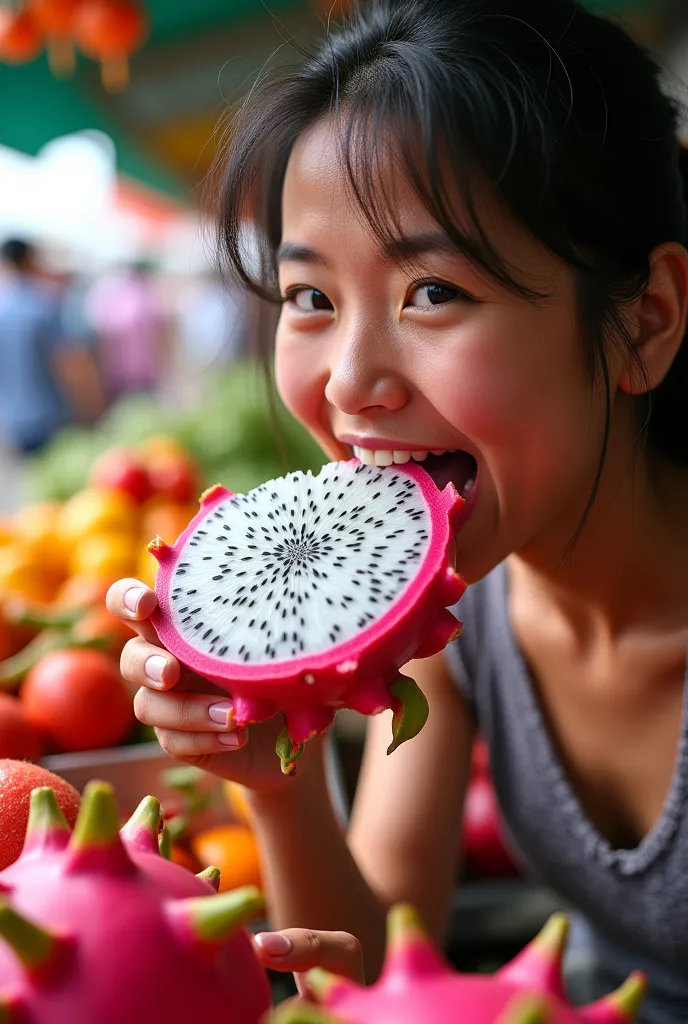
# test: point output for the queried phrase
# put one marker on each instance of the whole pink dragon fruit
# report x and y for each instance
(309, 593)
(417, 985)
(96, 927)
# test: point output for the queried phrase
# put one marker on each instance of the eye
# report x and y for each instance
(434, 293)
(309, 300)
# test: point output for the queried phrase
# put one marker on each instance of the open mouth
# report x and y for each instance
(443, 465)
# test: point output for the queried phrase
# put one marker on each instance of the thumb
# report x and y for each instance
(300, 949)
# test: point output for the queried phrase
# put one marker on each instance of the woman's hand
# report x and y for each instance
(300, 949)
(192, 718)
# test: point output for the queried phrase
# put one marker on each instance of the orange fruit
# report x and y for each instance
(105, 556)
(82, 592)
(23, 574)
(98, 622)
(235, 798)
(36, 527)
(180, 855)
(234, 850)
(17, 779)
(7, 534)
(97, 510)
(165, 519)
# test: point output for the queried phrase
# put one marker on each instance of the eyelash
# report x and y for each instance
(465, 296)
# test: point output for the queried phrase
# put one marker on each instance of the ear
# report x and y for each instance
(659, 319)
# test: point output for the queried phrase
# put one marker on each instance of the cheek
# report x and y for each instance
(297, 379)
(517, 376)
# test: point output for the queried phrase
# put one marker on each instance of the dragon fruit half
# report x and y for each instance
(418, 985)
(96, 926)
(309, 593)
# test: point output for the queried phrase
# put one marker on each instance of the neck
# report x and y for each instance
(628, 564)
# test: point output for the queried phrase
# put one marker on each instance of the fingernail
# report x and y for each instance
(231, 739)
(154, 668)
(274, 944)
(131, 598)
(221, 712)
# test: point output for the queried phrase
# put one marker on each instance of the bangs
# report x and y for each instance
(386, 123)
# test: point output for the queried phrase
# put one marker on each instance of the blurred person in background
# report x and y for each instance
(125, 310)
(213, 323)
(44, 372)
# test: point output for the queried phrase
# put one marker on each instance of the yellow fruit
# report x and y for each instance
(36, 527)
(158, 446)
(146, 568)
(97, 511)
(22, 574)
(104, 556)
(7, 534)
(235, 798)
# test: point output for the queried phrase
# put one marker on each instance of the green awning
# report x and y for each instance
(198, 57)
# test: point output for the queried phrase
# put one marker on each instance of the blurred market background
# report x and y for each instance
(128, 383)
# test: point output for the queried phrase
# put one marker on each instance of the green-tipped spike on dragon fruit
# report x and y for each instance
(309, 593)
(417, 984)
(97, 926)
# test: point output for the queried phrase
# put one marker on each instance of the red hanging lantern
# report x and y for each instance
(56, 19)
(109, 31)
(20, 39)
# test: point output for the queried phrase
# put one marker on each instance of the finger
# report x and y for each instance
(145, 664)
(300, 949)
(134, 603)
(184, 711)
(194, 747)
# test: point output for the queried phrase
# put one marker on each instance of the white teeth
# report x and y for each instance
(383, 458)
(401, 457)
(467, 487)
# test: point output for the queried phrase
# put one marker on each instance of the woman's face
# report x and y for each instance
(387, 356)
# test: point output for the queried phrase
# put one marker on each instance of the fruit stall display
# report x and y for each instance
(60, 686)
(97, 923)
(241, 435)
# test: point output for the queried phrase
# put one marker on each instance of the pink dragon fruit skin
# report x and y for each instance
(361, 673)
(97, 926)
(417, 985)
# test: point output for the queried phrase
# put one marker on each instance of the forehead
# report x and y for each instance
(318, 180)
(320, 197)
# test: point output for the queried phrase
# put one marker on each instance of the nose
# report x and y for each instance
(362, 374)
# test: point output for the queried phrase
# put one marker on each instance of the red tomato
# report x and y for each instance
(78, 700)
(175, 478)
(18, 737)
(118, 470)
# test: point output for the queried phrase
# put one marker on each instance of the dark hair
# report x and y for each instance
(16, 251)
(558, 108)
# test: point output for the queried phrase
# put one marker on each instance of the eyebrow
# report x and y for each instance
(399, 249)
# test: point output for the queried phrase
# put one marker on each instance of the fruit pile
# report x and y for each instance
(96, 925)
(198, 829)
(60, 685)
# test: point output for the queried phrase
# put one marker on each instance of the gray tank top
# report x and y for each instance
(636, 900)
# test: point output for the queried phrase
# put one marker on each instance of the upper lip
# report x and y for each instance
(386, 444)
